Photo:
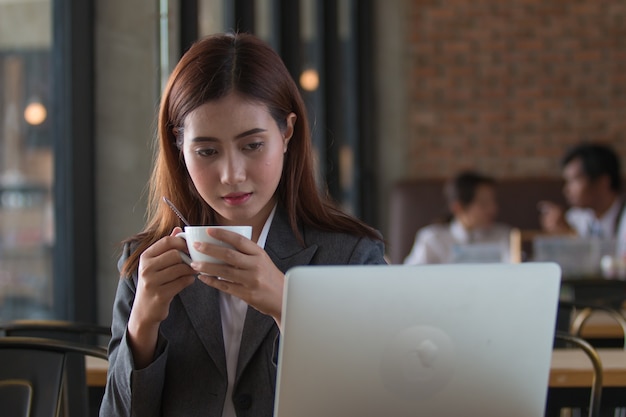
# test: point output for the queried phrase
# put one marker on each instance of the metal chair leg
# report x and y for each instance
(596, 384)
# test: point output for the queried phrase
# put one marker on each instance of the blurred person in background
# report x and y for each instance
(593, 184)
(472, 205)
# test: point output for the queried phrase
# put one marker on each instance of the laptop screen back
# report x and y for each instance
(431, 340)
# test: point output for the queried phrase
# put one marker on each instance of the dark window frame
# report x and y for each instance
(74, 260)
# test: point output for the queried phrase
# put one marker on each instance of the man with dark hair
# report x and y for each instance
(592, 187)
(470, 223)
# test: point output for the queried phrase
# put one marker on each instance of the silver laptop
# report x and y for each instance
(432, 340)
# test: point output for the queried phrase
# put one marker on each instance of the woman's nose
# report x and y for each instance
(233, 170)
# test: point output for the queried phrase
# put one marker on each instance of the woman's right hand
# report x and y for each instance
(161, 275)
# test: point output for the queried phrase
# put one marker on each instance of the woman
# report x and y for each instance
(234, 148)
(471, 199)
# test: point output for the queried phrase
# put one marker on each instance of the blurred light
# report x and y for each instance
(35, 113)
(309, 80)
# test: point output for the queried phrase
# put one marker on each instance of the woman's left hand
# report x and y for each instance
(248, 272)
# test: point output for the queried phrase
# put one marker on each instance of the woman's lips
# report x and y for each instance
(236, 199)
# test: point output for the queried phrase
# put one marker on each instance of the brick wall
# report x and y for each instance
(507, 86)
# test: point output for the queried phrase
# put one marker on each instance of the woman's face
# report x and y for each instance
(482, 211)
(234, 153)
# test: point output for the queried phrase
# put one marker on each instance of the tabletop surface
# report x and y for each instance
(569, 368)
(96, 371)
(572, 368)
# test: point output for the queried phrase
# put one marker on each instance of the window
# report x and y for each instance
(26, 177)
(46, 160)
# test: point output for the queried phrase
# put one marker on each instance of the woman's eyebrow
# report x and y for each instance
(250, 132)
(204, 139)
(239, 136)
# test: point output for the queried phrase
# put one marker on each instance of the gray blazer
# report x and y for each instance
(188, 375)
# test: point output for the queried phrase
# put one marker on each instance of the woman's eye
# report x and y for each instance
(206, 152)
(254, 146)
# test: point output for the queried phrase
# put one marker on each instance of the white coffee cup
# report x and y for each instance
(194, 234)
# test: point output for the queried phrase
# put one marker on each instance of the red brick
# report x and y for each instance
(509, 85)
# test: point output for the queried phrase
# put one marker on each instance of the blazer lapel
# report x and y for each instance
(203, 308)
(285, 251)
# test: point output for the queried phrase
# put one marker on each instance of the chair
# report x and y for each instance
(33, 374)
(75, 398)
(596, 384)
(16, 397)
(572, 316)
(581, 318)
(56, 329)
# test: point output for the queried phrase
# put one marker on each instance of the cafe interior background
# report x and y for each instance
(397, 89)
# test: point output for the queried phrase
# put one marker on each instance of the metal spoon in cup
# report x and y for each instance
(175, 210)
(186, 258)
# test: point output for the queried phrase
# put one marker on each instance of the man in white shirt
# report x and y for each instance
(471, 223)
(592, 187)
(437, 243)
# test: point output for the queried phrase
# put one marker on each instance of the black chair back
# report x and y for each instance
(85, 333)
(16, 397)
(76, 398)
(40, 364)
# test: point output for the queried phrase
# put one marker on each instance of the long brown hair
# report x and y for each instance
(211, 69)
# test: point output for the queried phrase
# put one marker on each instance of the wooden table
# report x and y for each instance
(572, 368)
(96, 371)
(569, 368)
(571, 373)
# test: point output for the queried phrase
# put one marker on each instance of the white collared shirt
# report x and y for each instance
(434, 243)
(586, 224)
(233, 311)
